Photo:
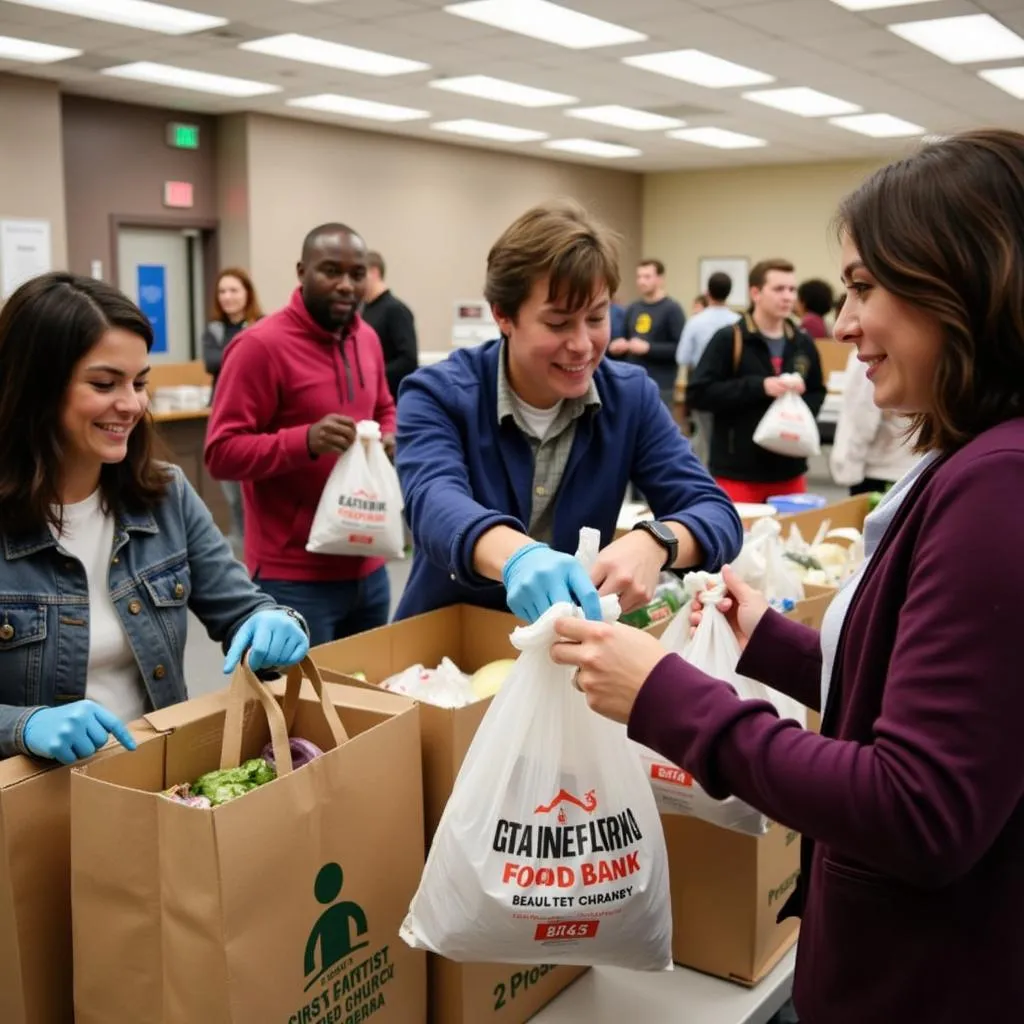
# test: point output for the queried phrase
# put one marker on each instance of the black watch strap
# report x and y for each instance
(664, 536)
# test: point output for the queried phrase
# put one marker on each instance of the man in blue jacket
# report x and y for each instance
(507, 450)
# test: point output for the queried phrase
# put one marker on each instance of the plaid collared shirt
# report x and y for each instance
(550, 455)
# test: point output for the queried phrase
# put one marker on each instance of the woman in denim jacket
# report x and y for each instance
(104, 549)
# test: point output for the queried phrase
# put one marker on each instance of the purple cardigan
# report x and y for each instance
(910, 802)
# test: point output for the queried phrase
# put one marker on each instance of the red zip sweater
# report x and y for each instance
(281, 376)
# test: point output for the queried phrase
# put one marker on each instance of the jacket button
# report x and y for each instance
(115, 560)
(159, 672)
(134, 607)
(6, 631)
(179, 590)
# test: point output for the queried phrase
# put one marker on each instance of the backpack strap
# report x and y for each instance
(737, 347)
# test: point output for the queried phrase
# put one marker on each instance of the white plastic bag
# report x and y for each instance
(763, 565)
(788, 427)
(445, 686)
(360, 508)
(715, 650)
(550, 849)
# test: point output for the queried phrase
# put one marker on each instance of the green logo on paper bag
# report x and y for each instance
(332, 934)
(350, 986)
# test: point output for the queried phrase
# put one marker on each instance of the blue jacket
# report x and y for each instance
(162, 564)
(462, 474)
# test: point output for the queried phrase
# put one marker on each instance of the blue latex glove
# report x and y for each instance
(272, 638)
(75, 731)
(536, 577)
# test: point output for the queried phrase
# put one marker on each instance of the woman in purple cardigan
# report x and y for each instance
(911, 801)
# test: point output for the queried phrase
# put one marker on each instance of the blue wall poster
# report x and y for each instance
(152, 291)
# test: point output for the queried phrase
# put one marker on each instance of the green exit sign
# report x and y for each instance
(183, 136)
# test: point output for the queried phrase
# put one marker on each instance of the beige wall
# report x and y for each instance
(31, 164)
(117, 161)
(756, 212)
(433, 210)
(233, 189)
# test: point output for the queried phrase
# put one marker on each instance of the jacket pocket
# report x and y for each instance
(170, 588)
(22, 644)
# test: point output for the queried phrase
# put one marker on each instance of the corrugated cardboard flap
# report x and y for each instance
(19, 769)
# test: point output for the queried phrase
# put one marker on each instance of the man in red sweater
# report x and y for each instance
(289, 395)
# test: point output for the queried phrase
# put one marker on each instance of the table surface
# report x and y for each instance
(181, 414)
(610, 995)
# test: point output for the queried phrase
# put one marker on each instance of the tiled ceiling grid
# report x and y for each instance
(815, 43)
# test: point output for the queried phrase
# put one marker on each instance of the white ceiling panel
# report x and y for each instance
(813, 43)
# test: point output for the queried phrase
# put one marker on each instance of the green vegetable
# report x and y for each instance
(807, 561)
(226, 784)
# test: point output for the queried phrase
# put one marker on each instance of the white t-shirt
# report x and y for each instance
(540, 421)
(112, 677)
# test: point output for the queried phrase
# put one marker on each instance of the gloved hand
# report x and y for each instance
(74, 731)
(272, 638)
(536, 577)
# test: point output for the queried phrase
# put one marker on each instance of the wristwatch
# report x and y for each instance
(664, 536)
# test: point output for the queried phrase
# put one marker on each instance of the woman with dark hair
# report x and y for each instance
(911, 801)
(105, 550)
(235, 307)
(814, 300)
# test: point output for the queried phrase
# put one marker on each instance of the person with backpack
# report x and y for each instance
(738, 378)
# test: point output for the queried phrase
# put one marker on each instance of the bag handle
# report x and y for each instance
(244, 686)
(295, 674)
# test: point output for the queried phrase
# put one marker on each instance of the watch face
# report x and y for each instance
(664, 533)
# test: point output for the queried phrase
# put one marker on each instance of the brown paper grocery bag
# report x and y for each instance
(281, 906)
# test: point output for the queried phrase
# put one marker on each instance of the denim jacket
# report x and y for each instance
(162, 564)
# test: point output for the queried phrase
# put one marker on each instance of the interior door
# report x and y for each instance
(154, 270)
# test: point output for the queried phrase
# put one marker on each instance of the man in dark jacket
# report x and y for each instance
(393, 321)
(737, 379)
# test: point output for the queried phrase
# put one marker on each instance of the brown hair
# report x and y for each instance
(943, 230)
(558, 240)
(659, 267)
(253, 311)
(375, 260)
(759, 273)
(46, 327)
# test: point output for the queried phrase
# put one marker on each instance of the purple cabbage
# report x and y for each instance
(302, 752)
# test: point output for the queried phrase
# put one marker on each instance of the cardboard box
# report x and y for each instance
(471, 637)
(35, 887)
(850, 512)
(282, 905)
(727, 889)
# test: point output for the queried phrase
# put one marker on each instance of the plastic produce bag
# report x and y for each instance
(789, 427)
(764, 566)
(550, 849)
(715, 650)
(360, 508)
(445, 687)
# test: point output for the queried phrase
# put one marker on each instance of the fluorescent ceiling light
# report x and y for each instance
(626, 117)
(549, 22)
(877, 5)
(351, 106)
(34, 53)
(332, 55)
(185, 78)
(699, 68)
(803, 101)
(591, 147)
(718, 138)
(1010, 80)
(964, 40)
(497, 89)
(878, 126)
(172, 21)
(489, 130)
